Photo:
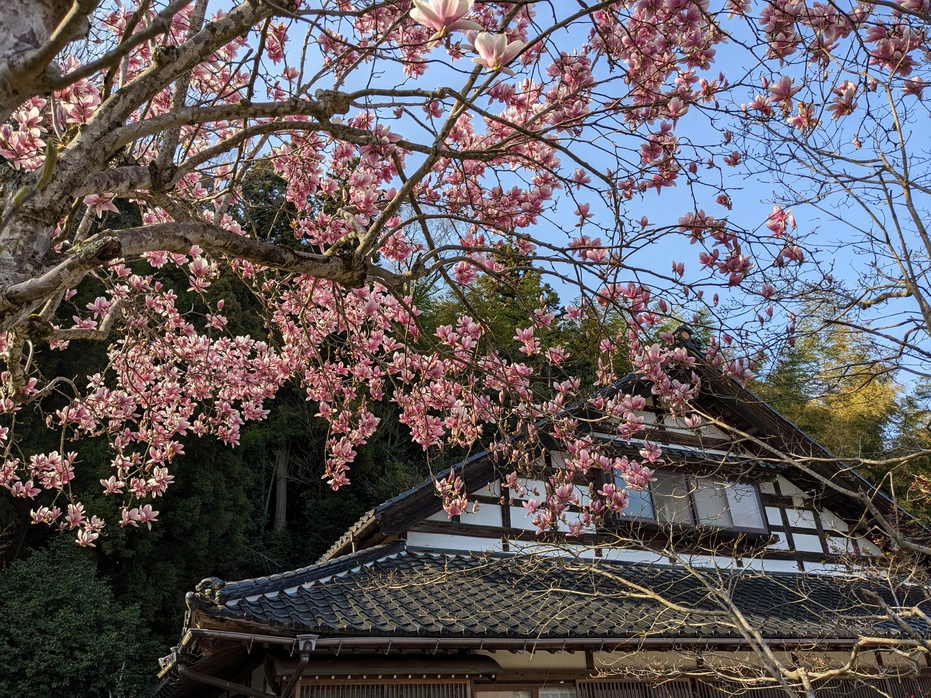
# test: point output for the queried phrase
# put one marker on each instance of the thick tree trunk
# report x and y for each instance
(31, 34)
(281, 487)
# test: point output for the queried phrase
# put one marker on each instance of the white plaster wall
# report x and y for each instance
(762, 565)
(617, 661)
(558, 459)
(648, 418)
(781, 543)
(840, 545)
(492, 489)
(788, 489)
(831, 659)
(867, 547)
(519, 519)
(831, 521)
(534, 548)
(716, 561)
(633, 556)
(530, 486)
(826, 568)
(485, 515)
(443, 541)
(712, 432)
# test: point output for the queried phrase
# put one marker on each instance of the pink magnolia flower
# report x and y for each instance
(75, 516)
(24, 489)
(783, 90)
(444, 16)
(452, 491)
(805, 119)
(137, 515)
(914, 87)
(494, 51)
(99, 203)
(557, 354)
(44, 514)
(693, 420)
(112, 485)
(574, 314)
(86, 538)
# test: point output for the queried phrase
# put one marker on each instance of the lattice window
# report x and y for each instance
(634, 689)
(386, 689)
(849, 688)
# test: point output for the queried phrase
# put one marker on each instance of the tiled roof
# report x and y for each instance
(392, 591)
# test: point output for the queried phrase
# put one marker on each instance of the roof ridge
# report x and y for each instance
(218, 591)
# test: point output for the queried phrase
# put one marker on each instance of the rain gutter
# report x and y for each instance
(494, 643)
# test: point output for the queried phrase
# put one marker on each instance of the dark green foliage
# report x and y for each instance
(263, 209)
(317, 515)
(62, 632)
(206, 521)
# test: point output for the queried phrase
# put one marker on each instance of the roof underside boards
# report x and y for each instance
(395, 592)
(397, 514)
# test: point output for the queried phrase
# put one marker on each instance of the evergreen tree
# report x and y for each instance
(63, 632)
(830, 385)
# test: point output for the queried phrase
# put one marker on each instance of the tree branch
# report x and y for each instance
(351, 271)
(101, 333)
(325, 106)
(117, 180)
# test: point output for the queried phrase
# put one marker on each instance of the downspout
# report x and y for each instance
(306, 645)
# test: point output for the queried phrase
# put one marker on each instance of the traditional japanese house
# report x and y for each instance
(731, 568)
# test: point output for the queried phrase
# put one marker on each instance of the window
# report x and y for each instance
(566, 691)
(675, 498)
(385, 689)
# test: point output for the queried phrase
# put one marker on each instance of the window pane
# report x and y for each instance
(711, 503)
(639, 503)
(557, 692)
(671, 498)
(745, 506)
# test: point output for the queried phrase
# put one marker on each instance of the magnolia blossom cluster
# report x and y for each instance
(494, 50)
(541, 160)
(174, 373)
